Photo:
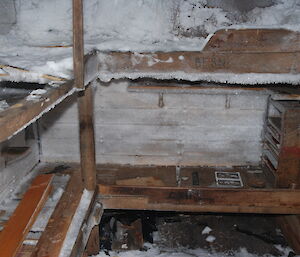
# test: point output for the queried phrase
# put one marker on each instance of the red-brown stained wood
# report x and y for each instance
(202, 199)
(24, 216)
(288, 171)
(52, 239)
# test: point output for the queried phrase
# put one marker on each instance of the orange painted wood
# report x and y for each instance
(24, 216)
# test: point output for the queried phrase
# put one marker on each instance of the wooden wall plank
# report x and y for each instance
(24, 216)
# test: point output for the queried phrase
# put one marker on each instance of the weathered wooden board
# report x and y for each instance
(254, 40)
(12, 71)
(53, 237)
(132, 124)
(201, 199)
(228, 51)
(17, 227)
(21, 114)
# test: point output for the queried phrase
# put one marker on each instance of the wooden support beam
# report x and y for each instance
(78, 44)
(51, 241)
(85, 102)
(87, 138)
(23, 113)
(227, 52)
(24, 216)
(269, 201)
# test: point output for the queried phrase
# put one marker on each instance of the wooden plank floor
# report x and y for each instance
(163, 189)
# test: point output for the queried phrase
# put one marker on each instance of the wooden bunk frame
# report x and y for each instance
(228, 51)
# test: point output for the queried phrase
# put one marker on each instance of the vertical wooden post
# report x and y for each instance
(85, 102)
(87, 140)
(78, 43)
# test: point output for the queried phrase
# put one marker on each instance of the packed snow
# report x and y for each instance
(136, 25)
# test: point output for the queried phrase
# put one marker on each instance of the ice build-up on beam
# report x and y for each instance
(247, 56)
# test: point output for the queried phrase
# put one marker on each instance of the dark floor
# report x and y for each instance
(216, 233)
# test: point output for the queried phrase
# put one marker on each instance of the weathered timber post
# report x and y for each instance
(85, 102)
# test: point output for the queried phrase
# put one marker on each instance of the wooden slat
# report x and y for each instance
(24, 216)
(19, 115)
(53, 237)
(201, 199)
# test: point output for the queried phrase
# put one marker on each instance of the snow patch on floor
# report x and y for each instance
(153, 250)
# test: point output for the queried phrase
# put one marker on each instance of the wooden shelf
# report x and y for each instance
(230, 51)
(19, 115)
(281, 142)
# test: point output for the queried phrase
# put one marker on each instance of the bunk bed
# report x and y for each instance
(229, 55)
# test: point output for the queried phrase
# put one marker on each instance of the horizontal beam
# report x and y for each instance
(228, 52)
(269, 201)
(20, 115)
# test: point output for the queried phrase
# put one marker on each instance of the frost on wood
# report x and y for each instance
(77, 220)
(121, 25)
